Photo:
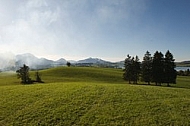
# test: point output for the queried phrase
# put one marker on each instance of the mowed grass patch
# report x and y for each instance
(91, 103)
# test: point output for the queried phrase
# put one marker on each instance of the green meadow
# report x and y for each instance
(91, 96)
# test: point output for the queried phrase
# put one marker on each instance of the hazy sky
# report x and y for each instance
(107, 29)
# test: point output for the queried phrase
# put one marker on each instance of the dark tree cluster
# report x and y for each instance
(68, 64)
(183, 73)
(132, 69)
(23, 74)
(157, 69)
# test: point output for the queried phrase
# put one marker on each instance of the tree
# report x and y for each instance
(38, 77)
(187, 72)
(147, 68)
(127, 70)
(170, 73)
(23, 73)
(132, 69)
(157, 68)
(68, 64)
(135, 69)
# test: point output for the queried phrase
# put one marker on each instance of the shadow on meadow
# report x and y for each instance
(180, 84)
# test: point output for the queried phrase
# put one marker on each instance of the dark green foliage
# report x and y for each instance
(68, 64)
(38, 77)
(170, 73)
(23, 74)
(132, 69)
(127, 71)
(157, 68)
(135, 69)
(183, 73)
(188, 72)
(147, 68)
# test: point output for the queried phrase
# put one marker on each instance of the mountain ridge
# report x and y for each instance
(41, 63)
(14, 62)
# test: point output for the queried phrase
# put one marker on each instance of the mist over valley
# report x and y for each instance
(11, 62)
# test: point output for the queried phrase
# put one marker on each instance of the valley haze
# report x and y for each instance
(10, 61)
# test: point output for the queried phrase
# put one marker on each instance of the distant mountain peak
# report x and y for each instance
(61, 60)
(91, 60)
(16, 61)
(26, 55)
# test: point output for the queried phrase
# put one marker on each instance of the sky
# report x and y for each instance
(106, 29)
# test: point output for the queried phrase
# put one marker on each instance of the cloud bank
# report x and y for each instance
(64, 28)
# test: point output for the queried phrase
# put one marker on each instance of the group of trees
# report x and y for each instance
(157, 69)
(23, 74)
(184, 73)
(132, 69)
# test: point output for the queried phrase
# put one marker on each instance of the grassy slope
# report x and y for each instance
(8, 78)
(92, 96)
(82, 74)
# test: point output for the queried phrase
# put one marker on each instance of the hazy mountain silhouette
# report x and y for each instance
(11, 62)
(32, 61)
(15, 62)
(93, 60)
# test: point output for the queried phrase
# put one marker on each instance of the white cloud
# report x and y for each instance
(36, 4)
(30, 33)
(70, 27)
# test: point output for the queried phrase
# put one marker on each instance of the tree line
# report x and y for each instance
(184, 73)
(158, 69)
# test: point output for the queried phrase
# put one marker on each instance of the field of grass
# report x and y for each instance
(91, 96)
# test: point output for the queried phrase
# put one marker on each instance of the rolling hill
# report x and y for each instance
(183, 64)
(91, 96)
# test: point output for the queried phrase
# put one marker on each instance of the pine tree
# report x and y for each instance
(169, 69)
(132, 69)
(23, 73)
(147, 68)
(135, 69)
(38, 77)
(127, 70)
(158, 68)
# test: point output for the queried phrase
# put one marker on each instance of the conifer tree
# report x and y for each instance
(127, 69)
(157, 68)
(132, 69)
(135, 69)
(147, 68)
(23, 73)
(169, 69)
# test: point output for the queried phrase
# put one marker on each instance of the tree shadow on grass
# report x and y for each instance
(163, 85)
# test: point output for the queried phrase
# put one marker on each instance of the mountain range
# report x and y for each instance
(15, 62)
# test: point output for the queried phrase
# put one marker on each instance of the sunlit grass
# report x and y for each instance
(78, 96)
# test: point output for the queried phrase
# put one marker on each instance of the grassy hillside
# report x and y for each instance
(68, 74)
(91, 96)
(8, 78)
(82, 74)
